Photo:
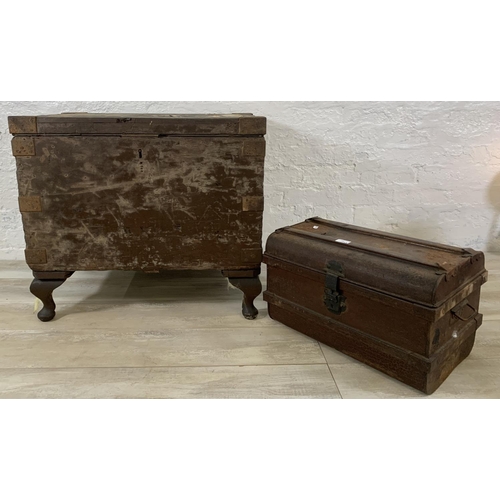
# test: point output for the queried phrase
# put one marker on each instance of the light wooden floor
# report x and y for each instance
(181, 335)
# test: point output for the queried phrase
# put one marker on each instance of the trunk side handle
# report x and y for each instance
(457, 310)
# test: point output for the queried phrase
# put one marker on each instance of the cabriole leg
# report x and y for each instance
(42, 287)
(251, 288)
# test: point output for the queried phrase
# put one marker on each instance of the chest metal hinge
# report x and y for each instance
(333, 299)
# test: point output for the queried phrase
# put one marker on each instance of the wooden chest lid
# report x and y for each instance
(147, 124)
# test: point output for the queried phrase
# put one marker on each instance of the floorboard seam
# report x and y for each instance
(156, 366)
(330, 370)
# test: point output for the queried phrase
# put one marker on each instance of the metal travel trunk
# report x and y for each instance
(404, 306)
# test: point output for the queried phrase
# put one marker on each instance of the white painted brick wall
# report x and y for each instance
(424, 169)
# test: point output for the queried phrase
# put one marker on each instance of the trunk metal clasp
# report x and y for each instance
(333, 299)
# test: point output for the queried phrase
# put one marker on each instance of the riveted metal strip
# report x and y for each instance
(255, 125)
(255, 147)
(23, 146)
(22, 124)
(30, 204)
(252, 203)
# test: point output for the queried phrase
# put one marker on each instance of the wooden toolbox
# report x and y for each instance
(140, 192)
(404, 306)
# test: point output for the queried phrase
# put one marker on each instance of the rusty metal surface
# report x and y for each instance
(252, 203)
(415, 270)
(22, 124)
(253, 148)
(30, 204)
(138, 202)
(252, 125)
(423, 373)
(374, 297)
(23, 146)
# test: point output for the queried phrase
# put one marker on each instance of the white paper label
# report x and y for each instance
(343, 241)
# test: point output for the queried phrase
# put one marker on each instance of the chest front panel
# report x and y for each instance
(140, 202)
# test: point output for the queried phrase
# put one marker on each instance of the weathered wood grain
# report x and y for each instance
(108, 123)
(144, 203)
